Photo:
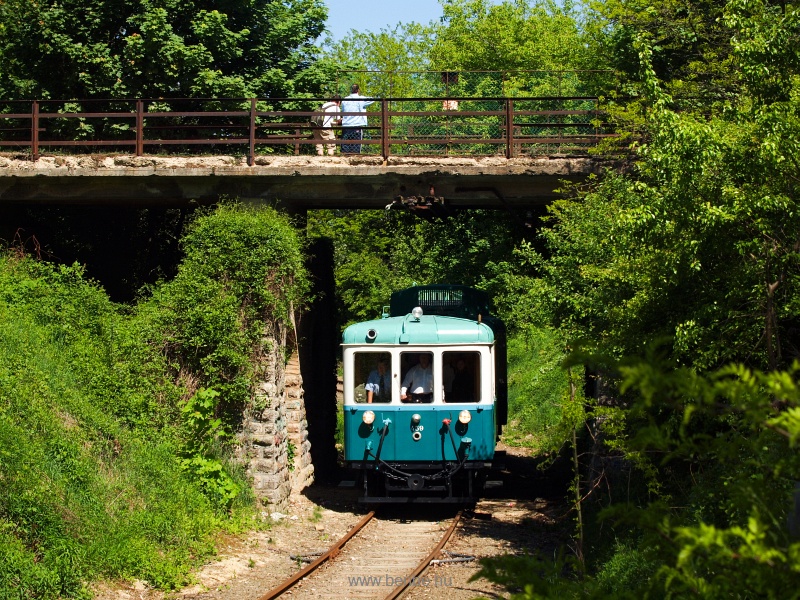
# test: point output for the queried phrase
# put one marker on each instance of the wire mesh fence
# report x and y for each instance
(479, 126)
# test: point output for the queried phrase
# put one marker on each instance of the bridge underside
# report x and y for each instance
(291, 182)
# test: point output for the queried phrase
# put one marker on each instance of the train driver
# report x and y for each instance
(418, 382)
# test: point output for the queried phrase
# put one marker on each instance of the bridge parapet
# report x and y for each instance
(508, 127)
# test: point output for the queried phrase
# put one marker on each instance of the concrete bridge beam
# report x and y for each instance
(294, 182)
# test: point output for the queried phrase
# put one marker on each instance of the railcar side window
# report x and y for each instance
(372, 377)
(417, 383)
(462, 376)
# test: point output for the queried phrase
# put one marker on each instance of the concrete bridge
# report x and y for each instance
(295, 183)
(465, 152)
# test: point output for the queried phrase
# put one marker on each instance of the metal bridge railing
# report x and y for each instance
(507, 127)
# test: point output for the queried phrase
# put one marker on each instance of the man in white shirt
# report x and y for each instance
(418, 382)
(352, 125)
(325, 132)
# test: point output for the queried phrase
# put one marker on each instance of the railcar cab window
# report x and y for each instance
(372, 378)
(417, 383)
(461, 376)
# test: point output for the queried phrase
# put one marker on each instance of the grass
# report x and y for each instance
(90, 480)
(537, 387)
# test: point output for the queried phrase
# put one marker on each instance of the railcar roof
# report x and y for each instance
(430, 329)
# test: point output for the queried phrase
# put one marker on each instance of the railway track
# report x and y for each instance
(380, 557)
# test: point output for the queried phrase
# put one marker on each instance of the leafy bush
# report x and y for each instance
(736, 436)
(243, 274)
(202, 430)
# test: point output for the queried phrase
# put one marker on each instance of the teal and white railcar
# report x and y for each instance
(428, 447)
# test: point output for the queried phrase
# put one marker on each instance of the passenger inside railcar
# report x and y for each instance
(466, 378)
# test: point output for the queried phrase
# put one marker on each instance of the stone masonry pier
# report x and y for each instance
(291, 182)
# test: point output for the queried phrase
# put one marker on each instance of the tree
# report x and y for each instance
(691, 258)
(691, 43)
(384, 63)
(540, 35)
(724, 520)
(700, 243)
(159, 48)
(378, 252)
(494, 41)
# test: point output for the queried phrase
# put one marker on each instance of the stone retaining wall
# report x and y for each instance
(274, 439)
(301, 471)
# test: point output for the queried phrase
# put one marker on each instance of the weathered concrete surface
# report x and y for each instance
(294, 182)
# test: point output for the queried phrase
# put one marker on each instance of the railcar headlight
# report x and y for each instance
(416, 312)
(415, 419)
(368, 417)
(464, 417)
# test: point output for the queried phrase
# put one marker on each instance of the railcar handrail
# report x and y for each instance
(417, 126)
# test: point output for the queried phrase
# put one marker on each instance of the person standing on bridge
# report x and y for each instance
(325, 133)
(353, 125)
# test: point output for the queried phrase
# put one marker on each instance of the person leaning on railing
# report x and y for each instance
(352, 125)
(325, 131)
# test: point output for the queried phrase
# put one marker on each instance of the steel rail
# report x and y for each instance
(332, 552)
(425, 562)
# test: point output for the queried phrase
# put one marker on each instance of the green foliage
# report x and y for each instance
(91, 485)
(691, 45)
(243, 275)
(744, 422)
(538, 389)
(113, 464)
(493, 47)
(378, 252)
(689, 257)
(698, 245)
(104, 49)
(478, 35)
(373, 60)
(738, 429)
(201, 439)
(291, 451)
(625, 570)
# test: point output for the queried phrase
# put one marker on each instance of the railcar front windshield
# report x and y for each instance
(418, 375)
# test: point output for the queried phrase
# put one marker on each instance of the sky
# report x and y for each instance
(374, 15)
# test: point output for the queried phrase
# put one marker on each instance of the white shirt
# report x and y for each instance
(333, 109)
(419, 380)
